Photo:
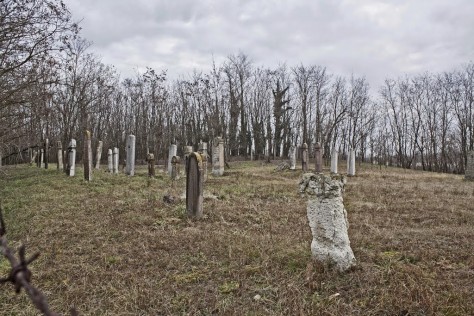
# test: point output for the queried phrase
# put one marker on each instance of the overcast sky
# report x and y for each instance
(372, 38)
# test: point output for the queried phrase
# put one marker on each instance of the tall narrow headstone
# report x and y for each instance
(116, 160)
(98, 155)
(319, 158)
(351, 164)
(87, 156)
(218, 156)
(46, 153)
(203, 151)
(71, 167)
(171, 153)
(334, 154)
(59, 146)
(130, 163)
(292, 154)
(187, 151)
(110, 161)
(150, 158)
(304, 157)
(470, 166)
(194, 186)
(175, 167)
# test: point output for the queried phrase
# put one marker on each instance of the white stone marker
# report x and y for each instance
(59, 146)
(72, 158)
(218, 157)
(116, 160)
(351, 163)
(328, 219)
(110, 161)
(292, 154)
(130, 164)
(171, 153)
(334, 154)
(98, 155)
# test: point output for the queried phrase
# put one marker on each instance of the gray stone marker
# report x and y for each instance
(318, 158)
(71, 150)
(328, 219)
(218, 156)
(187, 151)
(171, 153)
(351, 163)
(292, 154)
(46, 153)
(98, 155)
(116, 160)
(130, 162)
(304, 157)
(150, 158)
(110, 161)
(203, 151)
(87, 156)
(334, 154)
(59, 146)
(470, 166)
(194, 186)
(175, 167)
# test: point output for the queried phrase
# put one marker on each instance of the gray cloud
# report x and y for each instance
(372, 38)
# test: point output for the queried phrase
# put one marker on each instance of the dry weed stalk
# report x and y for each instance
(20, 275)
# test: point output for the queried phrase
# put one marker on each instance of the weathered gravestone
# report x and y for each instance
(171, 153)
(318, 158)
(218, 157)
(130, 162)
(304, 157)
(334, 154)
(292, 154)
(150, 158)
(71, 165)
(470, 166)
(194, 186)
(98, 155)
(175, 167)
(59, 146)
(116, 160)
(328, 219)
(187, 151)
(110, 160)
(87, 156)
(351, 164)
(202, 149)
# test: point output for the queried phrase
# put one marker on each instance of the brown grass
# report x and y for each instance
(113, 247)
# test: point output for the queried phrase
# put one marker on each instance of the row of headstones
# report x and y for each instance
(319, 159)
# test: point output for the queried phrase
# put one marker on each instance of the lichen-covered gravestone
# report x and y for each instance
(175, 162)
(194, 186)
(470, 166)
(328, 219)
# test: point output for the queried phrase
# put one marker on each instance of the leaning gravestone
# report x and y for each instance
(59, 146)
(130, 162)
(334, 154)
(98, 155)
(351, 164)
(87, 156)
(292, 154)
(71, 150)
(470, 166)
(194, 186)
(218, 157)
(304, 157)
(328, 219)
(171, 153)
(110, 161)
(116, 160)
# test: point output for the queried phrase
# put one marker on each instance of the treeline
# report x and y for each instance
(52, 87)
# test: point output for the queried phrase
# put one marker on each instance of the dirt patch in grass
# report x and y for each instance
(113, 247)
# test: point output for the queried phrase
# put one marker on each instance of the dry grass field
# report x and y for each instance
(113, 247)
